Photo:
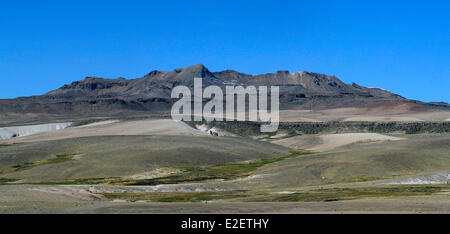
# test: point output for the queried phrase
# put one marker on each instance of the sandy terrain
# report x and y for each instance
(299, 142)
(420, 154)
(110, 128)
(100, 123)
(331, 141)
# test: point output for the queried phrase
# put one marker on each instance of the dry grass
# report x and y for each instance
(60, 158)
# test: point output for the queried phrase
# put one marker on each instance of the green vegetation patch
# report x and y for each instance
(336, 194)
(28, 165)
(175, 196)
(320, 195)
(187, 175)
(6, 181)
(79, 181)
(4, 145)
(207, 173)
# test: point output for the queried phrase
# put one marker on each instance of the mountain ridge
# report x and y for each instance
(157, 83)
(151, 94)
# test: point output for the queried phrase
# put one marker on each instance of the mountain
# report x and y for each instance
(99, 97)
(158, 84)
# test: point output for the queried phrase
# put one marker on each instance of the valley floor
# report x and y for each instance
(161, 166)
(54, 200)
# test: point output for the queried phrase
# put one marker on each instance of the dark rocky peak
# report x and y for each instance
(186, 75)
(154, 73)
(284, 72)
(198, 70)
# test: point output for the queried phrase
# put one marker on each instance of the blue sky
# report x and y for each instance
(402, 46)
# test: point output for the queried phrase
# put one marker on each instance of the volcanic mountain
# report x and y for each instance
(99, 97)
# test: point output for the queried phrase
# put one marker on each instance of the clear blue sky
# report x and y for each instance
(402, 46)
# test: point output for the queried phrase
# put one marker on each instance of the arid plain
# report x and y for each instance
(163, 166)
